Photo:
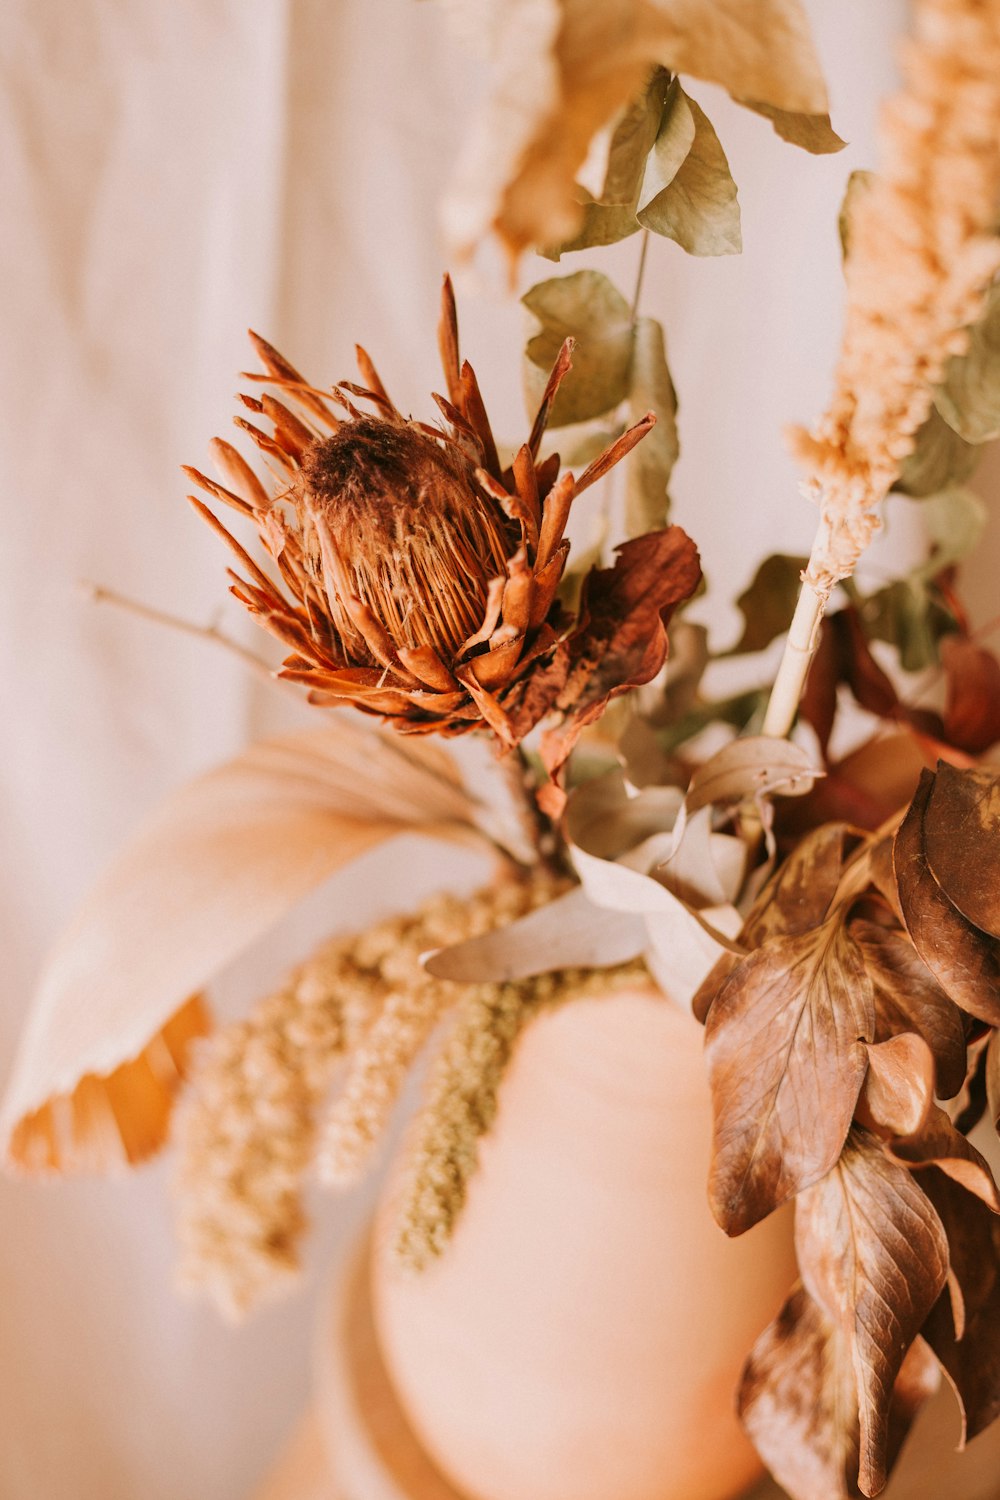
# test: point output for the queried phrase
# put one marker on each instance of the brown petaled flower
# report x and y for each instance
(417, 577)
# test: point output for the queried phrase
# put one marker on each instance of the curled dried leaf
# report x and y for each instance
(899, 1087)
(937, 1143)
(961, 840)
(752, 767)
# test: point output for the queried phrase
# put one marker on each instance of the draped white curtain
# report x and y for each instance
(171, 173)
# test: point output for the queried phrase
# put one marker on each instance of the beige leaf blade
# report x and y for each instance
(874, 1255)
(647, 504)
(813, 133)
(752, 767)
(698, 207)
(220, 862)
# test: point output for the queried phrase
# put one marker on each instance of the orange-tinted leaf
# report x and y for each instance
(909, 998)
(938, 1143)
(993, 1078)
(899, 1086)
(972, 709)
(786, 1060)
(973, 1265)
(961, 830)
(960, 957)
(873, 1254)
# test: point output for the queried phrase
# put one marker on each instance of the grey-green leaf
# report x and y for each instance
(857, 185)
(694, 203)
(813, 133)
(940, 457)
(589, 308)
(603, 224)
(969, 398)
(648, 470)
(768, 602)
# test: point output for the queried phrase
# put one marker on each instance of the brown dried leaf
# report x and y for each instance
(973, 1266)
(785, 1051)
(219, 863)
(909, 998)
(960, 957)
(969, 1350)
(623, 641)
(564, 68)
(752, 767)
(993, 1078)
(961, 838)
(972, 709)
(798, 1401)
(899, 1086)
(873, 1254)
(937, 1143)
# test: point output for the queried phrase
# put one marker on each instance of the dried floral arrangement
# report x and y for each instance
(835, 921)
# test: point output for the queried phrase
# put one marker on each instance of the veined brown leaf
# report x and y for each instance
(993, 1078)
(937, 1143)
(786, 1060)
(219, 863)
(972, 708)
(798, 1401)
(963, 1329)
(873, 1253)
(959, 955)
(909, 998)
(961, 839)
(898, 1090)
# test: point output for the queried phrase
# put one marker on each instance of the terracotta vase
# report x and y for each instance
(582, 1337)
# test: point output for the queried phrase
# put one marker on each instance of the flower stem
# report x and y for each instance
(640, 276)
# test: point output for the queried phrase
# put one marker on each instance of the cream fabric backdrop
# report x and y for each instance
(169, 174)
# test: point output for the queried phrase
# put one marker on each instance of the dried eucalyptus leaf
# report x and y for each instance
(813, 133)
(969, 397)
(907, 615)
(588, 308)
(937, 1143)
(961, 840)
(647, 504)
(603, 224)
(631, 142)
(752, 767)
(961, 958)
(768, 602)
(899, 1086)
(955, 521)
(909, 998)
(671, 146)
(797, 1010)
(698, 205)
(940, 458)
(873, 1253)
(562, 71)
(857, 184)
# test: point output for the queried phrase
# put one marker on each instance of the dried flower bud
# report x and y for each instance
(418, 576)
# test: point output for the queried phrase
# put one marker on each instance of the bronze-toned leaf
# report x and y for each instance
(973, 1264)
(972, 709)
(909, 998)
(697, 205)
(961, 958)
(899, 1086)
(784, 1044)
(798, 1401)
(969, 1351)
(767, 602)
(971, 1101)
(813, 133)
(993, 1078)
(873, 1253)
(961, 838)
(588, 308)
(937, 1143)
(648, 473)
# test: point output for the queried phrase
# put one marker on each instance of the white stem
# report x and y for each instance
(803, 635)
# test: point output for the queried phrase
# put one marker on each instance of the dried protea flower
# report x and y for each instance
(417, 577)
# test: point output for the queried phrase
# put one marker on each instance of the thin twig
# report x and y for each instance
(536, 827)
(640, 276)
(98, 593)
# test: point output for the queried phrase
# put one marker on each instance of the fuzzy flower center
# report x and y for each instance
(420, 545)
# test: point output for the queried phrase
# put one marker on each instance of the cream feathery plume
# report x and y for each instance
(379, 1066)
(462, 1099)
(924, 249)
